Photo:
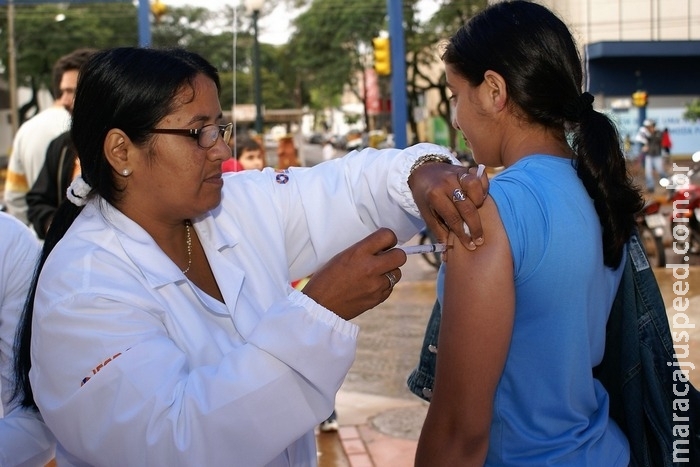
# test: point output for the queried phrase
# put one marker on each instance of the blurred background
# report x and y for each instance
(320, 71)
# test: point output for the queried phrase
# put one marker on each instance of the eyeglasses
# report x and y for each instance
(206, 136)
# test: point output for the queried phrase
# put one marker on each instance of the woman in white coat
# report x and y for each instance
(164, 329)
(24, 438)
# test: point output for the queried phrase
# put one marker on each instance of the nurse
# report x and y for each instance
(24, 438)
(165, 330)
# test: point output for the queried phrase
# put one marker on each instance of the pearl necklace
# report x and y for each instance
(189, 247)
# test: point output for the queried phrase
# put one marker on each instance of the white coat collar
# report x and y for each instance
(145, 254)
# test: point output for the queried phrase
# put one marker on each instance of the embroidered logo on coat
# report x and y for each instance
(98, 368)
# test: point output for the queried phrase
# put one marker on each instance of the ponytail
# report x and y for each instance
(537, 56)
(602, 169)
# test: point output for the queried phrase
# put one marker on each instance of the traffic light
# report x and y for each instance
(639, 99)
(382, 55)
(158, 9)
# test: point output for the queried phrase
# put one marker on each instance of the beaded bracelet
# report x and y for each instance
(429, 158)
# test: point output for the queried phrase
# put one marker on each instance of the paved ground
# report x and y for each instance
(380, 419)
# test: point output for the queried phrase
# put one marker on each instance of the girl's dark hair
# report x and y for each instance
(127, 88)
(535, 53)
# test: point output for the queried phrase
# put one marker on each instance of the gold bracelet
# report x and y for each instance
(429, 158)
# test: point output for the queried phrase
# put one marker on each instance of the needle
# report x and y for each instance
(430, 248)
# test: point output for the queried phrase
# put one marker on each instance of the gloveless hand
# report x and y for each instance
(448, 197)
(358, 278)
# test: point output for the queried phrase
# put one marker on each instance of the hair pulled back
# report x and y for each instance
(535, 53)
(128, 88)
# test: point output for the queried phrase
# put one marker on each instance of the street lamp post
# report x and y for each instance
(12, 67)
(254, 7)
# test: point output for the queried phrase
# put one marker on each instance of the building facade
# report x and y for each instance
(629, 46)
(645, 46)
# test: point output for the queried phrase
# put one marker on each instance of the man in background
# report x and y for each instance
(650, 138)
(61, 163)
(33, 136)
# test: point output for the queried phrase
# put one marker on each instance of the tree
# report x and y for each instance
(692, 110)
(332, 40)
(45, 32)
(209, 33)
(40, 39)
(423, 55)
(330, 44)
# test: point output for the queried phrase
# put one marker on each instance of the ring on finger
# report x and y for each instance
(392, 279)
(458, 195)
(463, 176)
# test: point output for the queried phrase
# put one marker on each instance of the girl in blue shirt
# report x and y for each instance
(524, 315)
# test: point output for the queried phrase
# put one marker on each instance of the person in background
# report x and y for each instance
(249, 154)
(650, 138)
(61, 163)
(524, 316)
(328, 151)
(24, 438)
(666, 143)
(162, 328)
(287, 155)
(33, 138)
(231, 165)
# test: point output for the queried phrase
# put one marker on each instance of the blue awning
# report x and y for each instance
(642, 49)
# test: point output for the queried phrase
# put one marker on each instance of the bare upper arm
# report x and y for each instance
(475, 332)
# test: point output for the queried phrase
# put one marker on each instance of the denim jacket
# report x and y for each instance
(637, 371)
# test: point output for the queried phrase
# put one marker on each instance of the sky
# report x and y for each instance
(275, 28)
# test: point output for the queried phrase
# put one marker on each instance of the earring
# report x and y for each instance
(126, 172)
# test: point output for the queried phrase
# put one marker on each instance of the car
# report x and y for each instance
(316, 138)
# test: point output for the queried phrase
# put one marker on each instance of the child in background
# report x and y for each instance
(666, 142)
(247, 155)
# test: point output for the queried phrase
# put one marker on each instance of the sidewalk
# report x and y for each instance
(380, 420)
(375, 431)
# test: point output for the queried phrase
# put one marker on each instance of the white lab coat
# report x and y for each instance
(24, 438)
(173, 377)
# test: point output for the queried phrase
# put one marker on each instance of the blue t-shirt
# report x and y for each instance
(548, 408)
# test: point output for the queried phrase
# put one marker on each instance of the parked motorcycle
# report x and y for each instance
(652, 226)
(684, 196)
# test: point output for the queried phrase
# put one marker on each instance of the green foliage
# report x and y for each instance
(40, 39)
(325, 56)
(327, 47)
(332, 42)
(424, 48)
(692, 111)
(209, 34)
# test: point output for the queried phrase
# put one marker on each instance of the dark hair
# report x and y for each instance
(68, 62)
(127, 88)
(246, 143)
(535, 53)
